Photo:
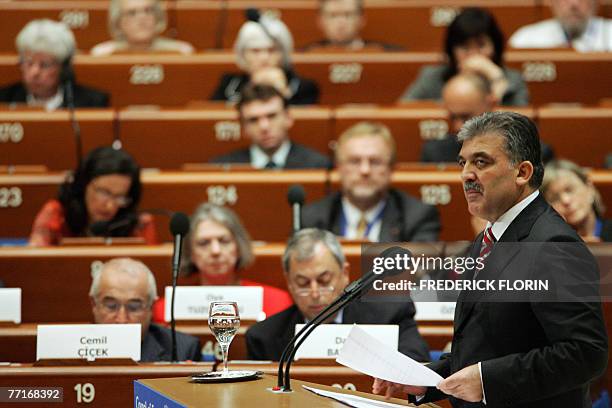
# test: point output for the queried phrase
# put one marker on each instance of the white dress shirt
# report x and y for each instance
(50, 104)
(373, 218)
(550, 34)
(259, 158)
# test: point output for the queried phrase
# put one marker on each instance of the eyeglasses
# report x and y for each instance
(105, 195)
(42, 65)
(322, 290)
(132, 307)
(374, 162)
(146, 11)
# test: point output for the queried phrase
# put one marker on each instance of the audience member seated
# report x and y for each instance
(341, 22)
(266, 121)
(100, 198)
(217, 248)
(367, 207)
(317, 273)
(474, 43)
(123, 291)
(267, 43)
(45, 50)
(575, 25)
(569, 190)
(135, 26)
(465, 96)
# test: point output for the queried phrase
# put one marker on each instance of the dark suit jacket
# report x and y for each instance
(267, 339)
(441, 151)
(299, 157)
(304, 91)
(157, 346)
(533, 353)
(83, 97)
(404, 218)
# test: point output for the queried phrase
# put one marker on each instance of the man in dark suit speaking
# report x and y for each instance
(535, 352)
(317, 273)
(266, 121)
(123, 291)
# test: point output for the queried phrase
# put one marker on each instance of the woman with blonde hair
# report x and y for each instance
(135, 26)
(570, 191)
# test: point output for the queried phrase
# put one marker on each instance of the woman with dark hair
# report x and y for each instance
(104, 191)
(569, 190)
(217, 248)
(474, 43)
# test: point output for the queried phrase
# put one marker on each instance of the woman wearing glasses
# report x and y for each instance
(103, 192)
(217, 248)
(135, 26)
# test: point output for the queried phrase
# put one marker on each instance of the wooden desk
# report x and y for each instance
(578, 134)
(381, 78)
(242, 190)
(93, 386)
(37, 137)
(169, 138)
(18, 343)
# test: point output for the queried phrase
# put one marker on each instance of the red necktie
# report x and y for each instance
(488, 240)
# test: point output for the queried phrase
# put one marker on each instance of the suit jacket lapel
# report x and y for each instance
(151, 349)
(391, 219)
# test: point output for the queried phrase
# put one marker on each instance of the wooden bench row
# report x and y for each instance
(170, 138)
(416, 25)
(55, 281)
(265, 217)
(380, 78)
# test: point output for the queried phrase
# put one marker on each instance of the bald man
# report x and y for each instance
(464, 96)
(123, 291)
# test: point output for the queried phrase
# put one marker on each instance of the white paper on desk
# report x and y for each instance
(365, 354)
(353, 400)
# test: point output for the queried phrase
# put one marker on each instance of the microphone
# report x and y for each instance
(252, 14)
(106, 228)
(67, 80)
(353, 291)
(179, 227)
(296, 197)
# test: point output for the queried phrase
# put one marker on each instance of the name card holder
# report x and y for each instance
(10, 305)
(328, 339)
(193, 302)
(434, 311)
(75, 343)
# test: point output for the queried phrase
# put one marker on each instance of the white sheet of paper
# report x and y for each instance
(353, 400)
(365, 354)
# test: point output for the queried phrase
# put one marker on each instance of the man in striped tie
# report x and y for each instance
(529, 352)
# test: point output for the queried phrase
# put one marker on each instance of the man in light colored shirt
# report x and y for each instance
(367, 207)
(265, 120)
(575, 24)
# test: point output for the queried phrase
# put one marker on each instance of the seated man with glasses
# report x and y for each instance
(45, 51)
(367, 207)
(317, 273)
(123, 291)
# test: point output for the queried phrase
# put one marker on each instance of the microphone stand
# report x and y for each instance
(178, 238)
(76, 128)
(353, 290)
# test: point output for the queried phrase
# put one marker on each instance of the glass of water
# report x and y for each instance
(224, 321)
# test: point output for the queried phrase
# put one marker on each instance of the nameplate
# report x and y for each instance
(88, 341)
(10, 305)
(437, 311)
(328, 339)
(192, 302)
